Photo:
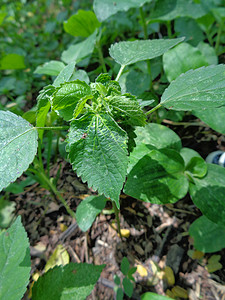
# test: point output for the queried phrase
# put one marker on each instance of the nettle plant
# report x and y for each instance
(113, 148)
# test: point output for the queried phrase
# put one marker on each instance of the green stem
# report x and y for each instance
(144, 25)
(116, 210)
(153, 109)
(169, 29)
(49, 152)
(101, 57)
(54, 128)
(55, 192)
(218, 37)
(120, 72)
(40, 161)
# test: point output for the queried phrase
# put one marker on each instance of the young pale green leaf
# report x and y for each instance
(83, 23)
(52, 68)
(208, 236)
(18, 146)
(126, 108)
(65, 74)
(208, 193)
(196, 89)
(213, 117)
(188, 154)
(106, 8)
(12, 62)
(80, 50)
(197, 167)
(167, 10)
(158, 177)
(127, 53)
(69, 282)
(186, 58)
(88, 209)
(98, 152)
(67, 96)
(15, 263)
(153, 296)
(43, 106)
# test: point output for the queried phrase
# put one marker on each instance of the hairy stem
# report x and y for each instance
(101, 57)
(120, 72)
(54, 128)
(153, 109)
(116, 210)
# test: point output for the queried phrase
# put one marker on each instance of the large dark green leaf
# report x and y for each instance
(15, 262)
(158, 177)
(98, 152)
(196, 89)
(126, 53)
(106, 8)
(208, 236)
(166, 10)
(208, 194)
(213, 117)
(69, 282)
(83, 23)
(181, 59)
(80, 50)
(18, 146)
(87, 211)
(52, 68)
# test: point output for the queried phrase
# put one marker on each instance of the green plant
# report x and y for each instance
(115, 142)
(126, 286)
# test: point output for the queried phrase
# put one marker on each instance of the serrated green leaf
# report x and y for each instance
(186, 58)
(208, 236)
(153, 296)
(158, 177)
(196, 89)
(208, 52)
(15, 263)
(88, 209)
(213, 117)
(52, 68)
(12, 62)
(65, 74)
(126, 108)
(98, 152)
(126, 53)
(208, 193)
(80, 50)
(67, 96)
(167, 10)
(69, 282)
(190, 29)
(125, 266)
(197, 167)
(128, 287)
(18, 146)
(106, 8)
(158, 136)
(43, 106)
(83, 23)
